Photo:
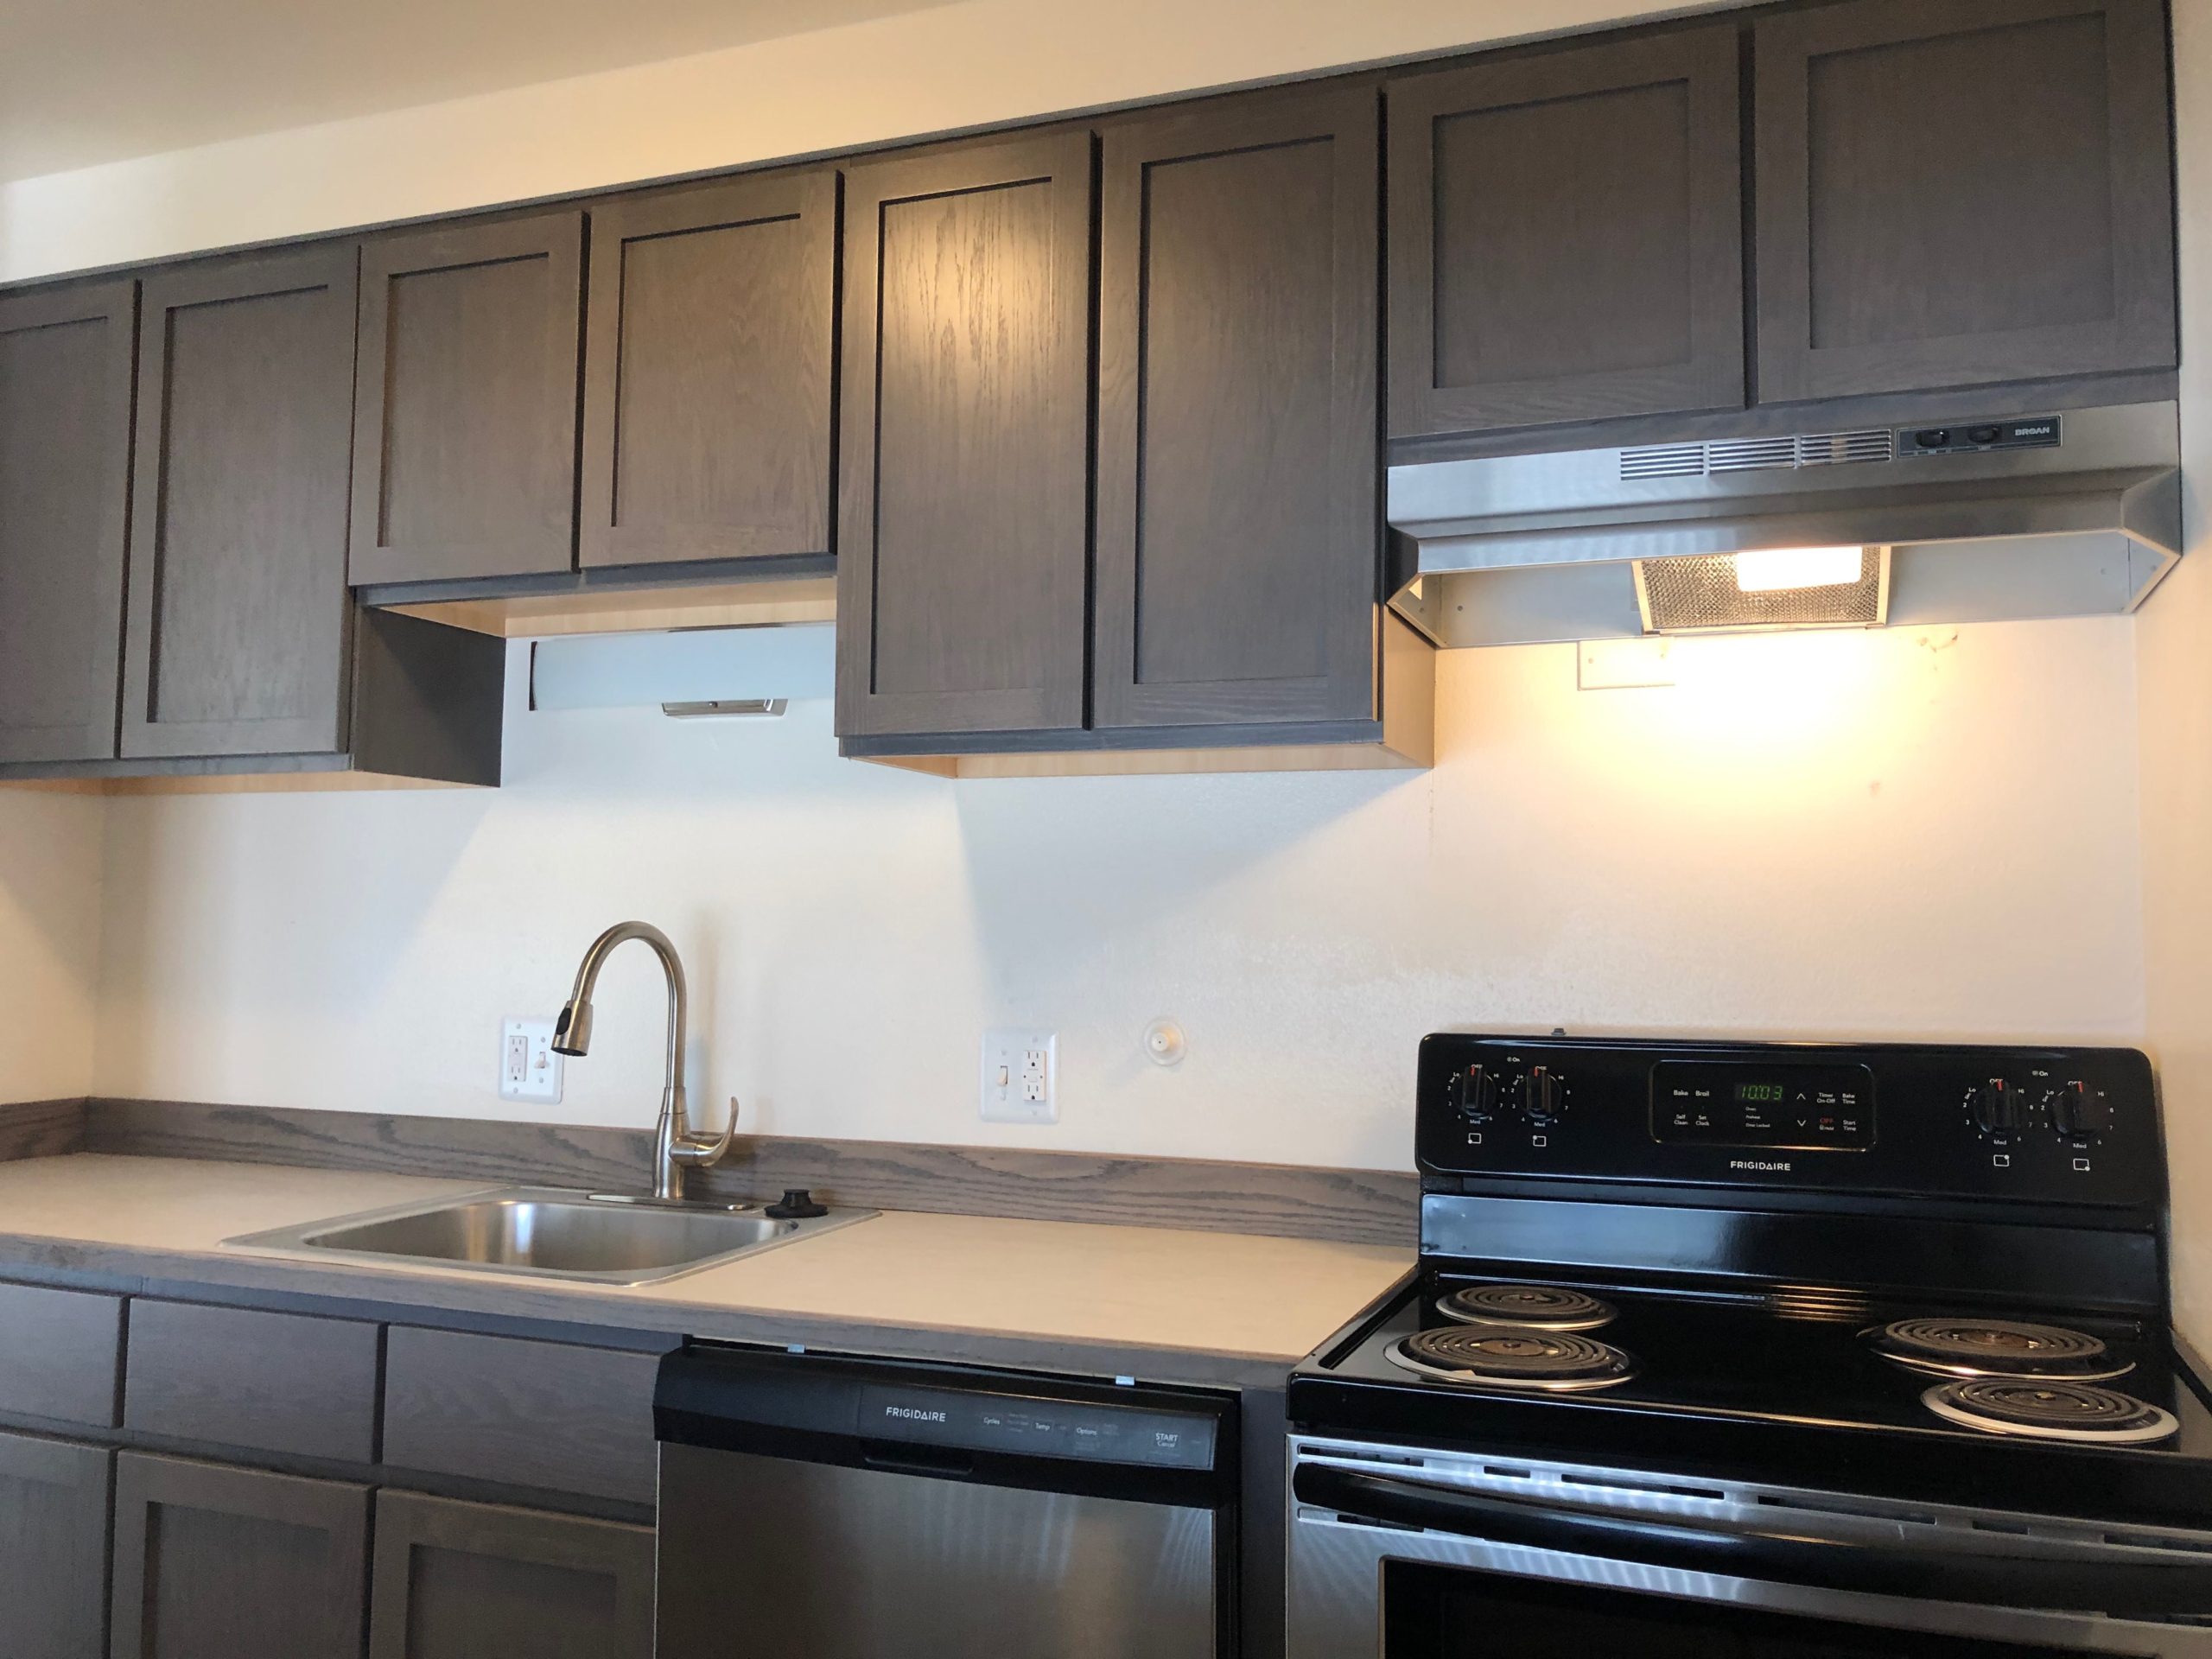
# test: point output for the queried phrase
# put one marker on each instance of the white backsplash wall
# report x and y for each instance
(50, 847)
(1909, 834)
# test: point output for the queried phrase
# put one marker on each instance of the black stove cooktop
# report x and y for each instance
(1717, 1369)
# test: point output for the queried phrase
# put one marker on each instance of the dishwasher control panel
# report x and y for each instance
(1035, 1425)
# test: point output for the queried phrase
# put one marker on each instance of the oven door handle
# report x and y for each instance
(1995, 1569)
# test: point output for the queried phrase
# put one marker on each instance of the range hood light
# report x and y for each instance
(1777, 570)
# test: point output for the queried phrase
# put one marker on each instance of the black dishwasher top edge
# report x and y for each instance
(1147, 1443)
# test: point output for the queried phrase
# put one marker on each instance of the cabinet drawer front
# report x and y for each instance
(59, 1351)
(521, 1413)
(272, 1381)
(454, 1581)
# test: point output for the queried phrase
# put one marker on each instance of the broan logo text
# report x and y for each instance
(914, 1413)
(1778, 1167)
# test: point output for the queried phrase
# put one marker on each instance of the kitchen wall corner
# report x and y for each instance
(50, 887)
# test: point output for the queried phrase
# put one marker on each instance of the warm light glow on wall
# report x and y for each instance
(1777, 569)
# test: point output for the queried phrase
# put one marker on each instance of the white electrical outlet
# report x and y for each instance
(529, 1069)
(1020, 1077)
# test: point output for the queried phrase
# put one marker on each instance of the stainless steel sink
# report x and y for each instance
(550, 1233)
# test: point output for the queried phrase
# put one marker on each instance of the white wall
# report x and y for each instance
(50, 849)
(1812, 835)
(2174, 645)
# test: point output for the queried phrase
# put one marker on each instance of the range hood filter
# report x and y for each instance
(1704, 594)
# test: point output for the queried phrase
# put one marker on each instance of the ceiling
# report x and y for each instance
(86, 81)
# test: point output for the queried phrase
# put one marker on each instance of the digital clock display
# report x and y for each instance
(1765, 1106)
(1760, 1094)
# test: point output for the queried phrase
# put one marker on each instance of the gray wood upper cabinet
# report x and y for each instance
(65, 375)
(963, 512)
(466, 405)
(239, 618)
(707, 365)
(1566, 235)
(1957, 192)
(54, 1508)
(469, 1581)
(1238, 536)
(212, 1562)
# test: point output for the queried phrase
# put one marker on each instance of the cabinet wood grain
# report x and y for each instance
(213, 1562)
(63, 1354)
(285, 1383)
(521, 1413)
(466, 405)
(1238, 536)
(66, 366)
(708, 364)
(965, 469)
(466, 1581)
(1958, 192)
(54, 1508)
(239, 622)
(1566, 236)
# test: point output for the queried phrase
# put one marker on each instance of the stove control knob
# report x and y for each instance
(1995, 1110)
(2079, 1112)
(1543, 1096)
(1478, 1092)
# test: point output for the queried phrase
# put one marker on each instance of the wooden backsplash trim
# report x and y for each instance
(40, 1128)
(1354, 1206)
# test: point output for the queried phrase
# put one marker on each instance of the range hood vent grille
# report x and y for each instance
(1757, 455)
(1702, 595)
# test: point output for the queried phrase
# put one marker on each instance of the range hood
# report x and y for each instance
(2075, 514)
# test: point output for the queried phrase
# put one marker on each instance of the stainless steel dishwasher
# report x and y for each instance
(849, 1508)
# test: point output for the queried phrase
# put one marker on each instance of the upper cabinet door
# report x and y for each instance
(1956, 192)
(707, 373)
(963, 506)
(1566, 236)
(1238, 452)
(65, 492)
(467, 405)
(238, 613)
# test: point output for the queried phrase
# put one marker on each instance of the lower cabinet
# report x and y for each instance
(54, 1497)
(213, 1562)
(461, 1581)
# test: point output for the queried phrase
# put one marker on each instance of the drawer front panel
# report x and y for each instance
(59, 1354)
(285, 1383)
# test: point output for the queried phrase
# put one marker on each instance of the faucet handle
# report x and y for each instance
(697, 1151)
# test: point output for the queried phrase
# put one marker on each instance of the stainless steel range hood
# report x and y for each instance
(2071, 514)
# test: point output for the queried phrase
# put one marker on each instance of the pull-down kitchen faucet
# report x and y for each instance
(675, 1147)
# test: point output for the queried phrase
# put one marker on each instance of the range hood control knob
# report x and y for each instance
(1995, 1110)
(1541, 1094)
(1478, 1092)
(2078, 1113)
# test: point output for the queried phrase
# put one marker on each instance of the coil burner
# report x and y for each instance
(1505, 1357)
(2050, 1411)
(1977, 1350)
(1536, 1307)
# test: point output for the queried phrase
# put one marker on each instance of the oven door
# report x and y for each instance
(1397, 1553)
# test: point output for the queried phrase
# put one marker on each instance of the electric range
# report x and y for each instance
(1773, 1349)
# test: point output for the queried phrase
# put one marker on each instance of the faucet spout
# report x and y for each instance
(675, 1147)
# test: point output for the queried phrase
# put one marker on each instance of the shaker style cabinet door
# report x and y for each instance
(1566, 236)
(1958, 192)
(466, 403)
(707, 373)
(239, 620)
(212, 1562)
(54, 1497)
(963, 516)
(468, 1580)
(64, 489)
(1239, 541)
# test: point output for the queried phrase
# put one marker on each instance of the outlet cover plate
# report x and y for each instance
(529, 1069)
(1020, 1077)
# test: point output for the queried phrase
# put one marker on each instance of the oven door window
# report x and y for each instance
(1432, 1612)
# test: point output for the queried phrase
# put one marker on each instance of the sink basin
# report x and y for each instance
(549, 1233)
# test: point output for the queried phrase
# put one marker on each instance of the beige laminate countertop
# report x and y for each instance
(1160, 1303)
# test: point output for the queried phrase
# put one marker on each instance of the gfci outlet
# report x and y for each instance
(1020, 1077)
(529, 1069)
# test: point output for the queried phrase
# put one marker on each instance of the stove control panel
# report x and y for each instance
(2076, 1126)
